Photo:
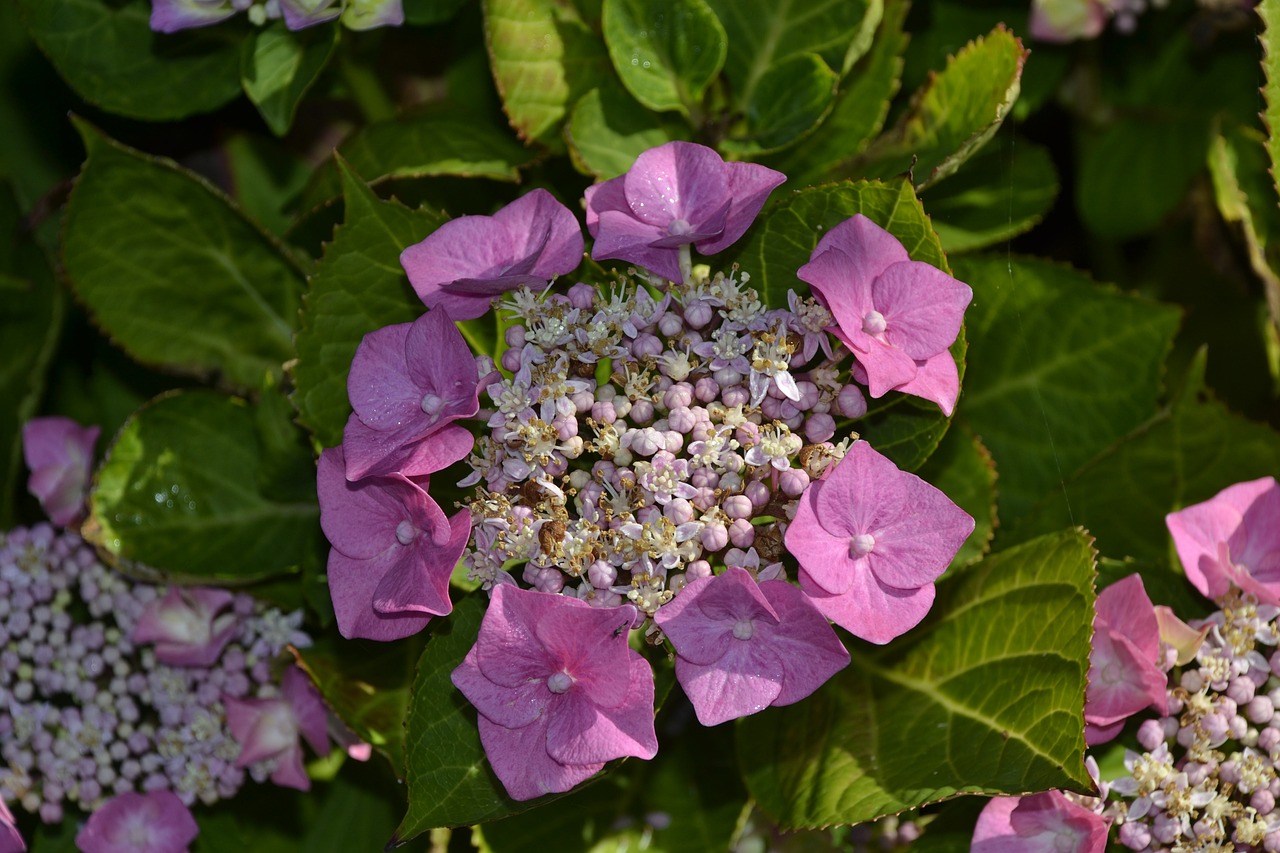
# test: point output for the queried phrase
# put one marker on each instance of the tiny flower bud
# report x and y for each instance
(851, 403)
(646, 346)
(1150, 734)
(706, 389)
(679, 394)
(715, 536)
(681, 420)
(511, 360)
(733, 394)
(758, 493)
(1241, 690)
(741, 533)
(793, 481)
(1261, 710)
(698, 314)
(582, 296)
(1263, 801)
(602, 575)
(698, 569)
(819, 427)
(727, 377)
(641, 412)
(670, 324)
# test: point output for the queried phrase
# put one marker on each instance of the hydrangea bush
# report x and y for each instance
(606, 424)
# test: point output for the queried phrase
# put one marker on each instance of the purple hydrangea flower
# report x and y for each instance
(299, 14)
(898, 316)
(59, 453)
(467, 261)
(408, 384)
(674, 195)
(393, 551)
(1041, 823)
(743, 646)
(1232, 539)
(558, 690)
(156, 822)
(186, 627)
(1124, 671)
(170, 16)
(871, 540)
(10, 839)
(269, 729)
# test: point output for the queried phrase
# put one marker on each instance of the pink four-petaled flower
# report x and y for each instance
(871, 540)
(187, 626)
(156, 822)
(898, 316)
(1232, 539)
(272, 729)
(1040, 823)
(742, 646)
(558, 690)
(1124, 671)
(59, 453)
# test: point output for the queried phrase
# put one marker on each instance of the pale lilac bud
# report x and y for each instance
(819, 427)
(1229, 771)
(566, 428)
(851, 403)
(715, 536)
(602, 575)
(727, 377)
(793, 481)
(808, 395)
(1186, 736)
(698, 314)
(646, 346)
(758, 493)
(704, 477)
(603, 412)
(511, 360)
(698, 569)
(1192, 681)
(705, 499)
(747, 434)
(1166, 828)
(1263, 801)
(648, 514)
(731, 481)
(678, 395)
(1261, 710)
(641, 411)
(675, 583)
(681, 420)
(679, 510)
(1241, 690)
(1237, 727)
(741, 533)
(670, 324)
(1150, 734)
(1268, 739)
(548, 580)
(772, 408)
(514, 336)
(675, 441)
(645, 442)
(605, 598)
(1135, 835)
(706, 389)
(582, 401)
(736, 506)
(734, 395)
(582, 296)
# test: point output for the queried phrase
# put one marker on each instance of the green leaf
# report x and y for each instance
(358, 286)
(184, 491)
(1061, 368)
(544, 59)
(858, 110)
(452, 142)
(1270, 38)
(109, 55)
(954, 115)
(985, 697)
(609, 129)
(266, 178)
(963, 469)
(666, 51)
(1003, 191)
(278, 66)
(173, 272)
(791, 99)
(421, 12)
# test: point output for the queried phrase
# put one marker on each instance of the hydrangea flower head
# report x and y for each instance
(156, 822)
(467, 261)
(1040, 823)
(871, 540)
(170, 16)
(896, 315)
(408, 384)
(674, 195)
(187, 626)
(269, 729)
(59, 453)
(393, 551)
(558, 690)
(1124, 671)
(1232, 539)
(743, 646)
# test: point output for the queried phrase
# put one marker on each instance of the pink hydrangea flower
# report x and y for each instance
(408, 384)
(393, 551)
(871, 540)
(170, 16)
(558, 690)
(1232, 539)
(896, 315)
(269, 729)
(156, 822)
(59, 453)
(674, 195)
(10, 839)
(1124, 662)
(467, 261)
(186, 627)
(742, 646)
(1040, 823)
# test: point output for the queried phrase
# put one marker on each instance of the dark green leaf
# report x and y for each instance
(954, 115)
(358, 286)
(183, 491)
(666, 51)
(1270, 12)
(279, 65)
(172, 272)
(609, 129)
(421, 12)
(544, 59)
(790, 100)
(986, 696)
(109, 55)
(1060, 369)
(963, 469)
(265, 178)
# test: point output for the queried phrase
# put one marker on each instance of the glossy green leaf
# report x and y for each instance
(358, 286)
(1059, 369)
(1270, 39)
(173, 272)
(609, 129)
(109, 55)
(953, 115)
(858, 110)
(278, 66)
(185, 490)
(790, 99)
(1004, 190)
(666, 51)
(963, 469)
(544, 58)
(986, 696)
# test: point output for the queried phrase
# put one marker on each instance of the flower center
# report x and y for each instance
(743, 629)
(405, 532)
(873, 324)
(432, 404)
(862, 545)
(679, 228)
(1112, 673)
(559, 682)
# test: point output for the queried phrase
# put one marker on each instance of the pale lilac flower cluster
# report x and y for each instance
(168, 16)
(89, 708)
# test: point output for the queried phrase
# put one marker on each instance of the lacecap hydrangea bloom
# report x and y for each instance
(650, 454)
(170, 16)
